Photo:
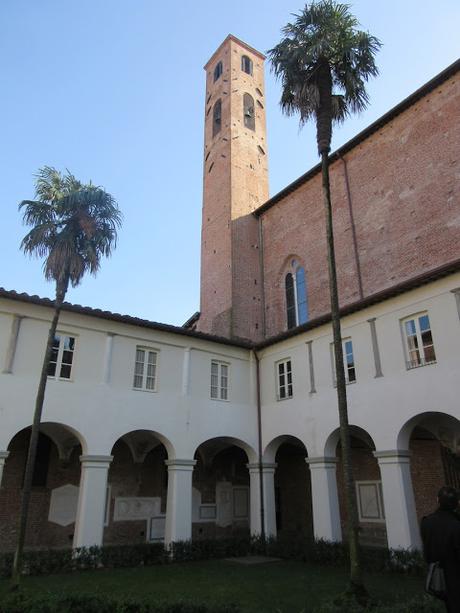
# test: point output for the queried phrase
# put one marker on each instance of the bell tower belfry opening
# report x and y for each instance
(235, 183)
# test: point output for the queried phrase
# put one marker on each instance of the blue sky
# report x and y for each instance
(114, 91)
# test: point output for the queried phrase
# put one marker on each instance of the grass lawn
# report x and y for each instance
(275, 587)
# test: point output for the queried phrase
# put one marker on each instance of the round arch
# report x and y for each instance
(221, 442)
(141, 441)
(333, 439)
(65, 437)
(443, 426)
(272, 447)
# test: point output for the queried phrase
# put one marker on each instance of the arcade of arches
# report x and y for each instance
(139, 493)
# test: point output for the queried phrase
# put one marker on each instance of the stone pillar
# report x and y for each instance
(268, 476)
(12, 344)
(89, 524)
(108, 358)
(325, 501)
(398, 499)
(179, 501)
(3, 456)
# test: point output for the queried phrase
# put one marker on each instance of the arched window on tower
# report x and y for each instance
(217, 117)
(246, 64)
(296, 296)
(249, 112)
(217, 71)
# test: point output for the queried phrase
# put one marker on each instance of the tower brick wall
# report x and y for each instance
(404, 192)
(235, 183)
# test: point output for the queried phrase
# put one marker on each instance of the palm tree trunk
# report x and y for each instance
(356, 581)
(61, 290)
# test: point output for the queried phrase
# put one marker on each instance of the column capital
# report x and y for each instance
(392, 456)
(180, 464)
(96, 461)
(267, 467)
(4, 455)
(322, 462)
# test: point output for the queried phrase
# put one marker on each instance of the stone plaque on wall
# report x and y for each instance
(224, 499)
(240, 502)
(134, 508)
(157, 528)
(63, 505)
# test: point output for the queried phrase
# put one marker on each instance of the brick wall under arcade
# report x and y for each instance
(40, 532)
(405, 199)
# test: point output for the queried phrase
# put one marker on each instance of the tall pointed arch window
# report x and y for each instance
(217, 117)
(296, 296)
(248, 112)
(246, 64)
(217, 71)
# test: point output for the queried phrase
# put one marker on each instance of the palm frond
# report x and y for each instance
(324, 33)
(73, 225)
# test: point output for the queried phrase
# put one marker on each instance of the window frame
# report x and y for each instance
(288, 385)
(420, 348)
(246, 61)
(345, 340)
(380, 502)
(216, 117)
(63, 335)
(220, 364)
(218, 70)
(300, 302)
(249, 105)
(143, 388)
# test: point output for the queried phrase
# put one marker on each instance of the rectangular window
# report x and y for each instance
(284, 379)
(219, 380)
(145, 368)
(419, 341)
(60, 364)
(348, 361)
(369, 496)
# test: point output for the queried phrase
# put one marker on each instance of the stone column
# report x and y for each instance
(3, 456)
(325, 501)
(398, 499)
(89, 524)
(268, 476)
(179, 501)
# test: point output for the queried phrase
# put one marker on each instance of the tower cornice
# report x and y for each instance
(237, 41)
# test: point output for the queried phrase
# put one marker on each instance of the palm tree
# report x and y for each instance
(74, 225)
(323, 62)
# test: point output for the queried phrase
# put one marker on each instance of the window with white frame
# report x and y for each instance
(219, 380)
(284, 379)
(418, 340)
(369, 497)
(348, 361)
(145, 369)
(61, 360)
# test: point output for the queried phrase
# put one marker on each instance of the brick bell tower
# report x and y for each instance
(235, 178)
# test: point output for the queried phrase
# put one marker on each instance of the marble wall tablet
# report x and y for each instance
(63, 505)
(133, 508)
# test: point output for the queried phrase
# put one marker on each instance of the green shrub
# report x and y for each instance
(91, 603)
(419, 604)
(45, 562)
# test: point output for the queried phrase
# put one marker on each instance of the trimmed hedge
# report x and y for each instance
(91, 603)
(419, 604)
(45, 562)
